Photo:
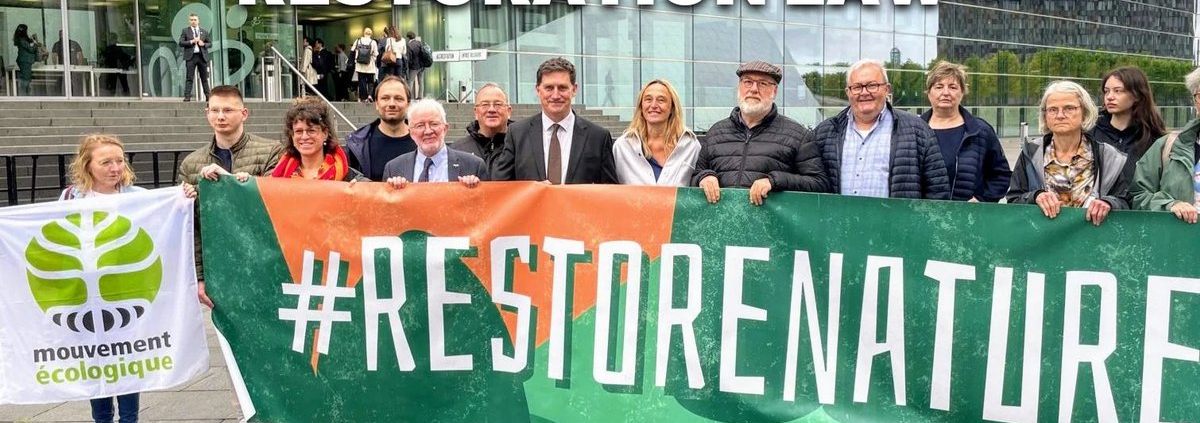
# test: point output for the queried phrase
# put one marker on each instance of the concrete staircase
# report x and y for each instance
(38, 139)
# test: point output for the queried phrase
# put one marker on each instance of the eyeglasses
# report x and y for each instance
(421, 126)
(490, 105)
(870, 88)
(1066, 110)
(218, 112)
(751, 83)
(309, 132)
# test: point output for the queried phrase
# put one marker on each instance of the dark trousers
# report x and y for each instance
(102, 408)
(196, 63)
(341, 86)
(365, 80)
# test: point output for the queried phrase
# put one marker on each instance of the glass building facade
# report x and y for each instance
(1012, 47)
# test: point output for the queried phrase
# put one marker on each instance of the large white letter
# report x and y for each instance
(943, 339)
(439, 297)
(1158, 343)
(669, 316)
(993, 405)
(374, 306)
(501, 295)
(868, 346)
(560, 251)
(733, 311)
(1074, 353)
(604, 288)
(824, 361)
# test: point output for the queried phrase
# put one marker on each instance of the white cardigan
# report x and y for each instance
(633, 169)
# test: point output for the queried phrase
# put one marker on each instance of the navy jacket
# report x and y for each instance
(981, 170)
(917, 169)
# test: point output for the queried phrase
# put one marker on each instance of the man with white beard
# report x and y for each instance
(757, 147)
(873, 150)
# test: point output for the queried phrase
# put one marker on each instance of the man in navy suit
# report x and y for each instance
(195, 41)
(432, 161)
(555, 145)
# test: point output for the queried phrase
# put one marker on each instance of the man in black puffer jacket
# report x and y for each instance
(757, 147)
(870, 149)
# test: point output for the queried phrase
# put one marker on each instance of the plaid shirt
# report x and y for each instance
(866, 161)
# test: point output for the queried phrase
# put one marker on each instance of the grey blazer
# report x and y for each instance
(458, 164)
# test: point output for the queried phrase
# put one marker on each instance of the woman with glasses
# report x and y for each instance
(657, 149)
(311, 150)
(1167, 174)
(974, 158)
(1129, 120)
(1066, 167)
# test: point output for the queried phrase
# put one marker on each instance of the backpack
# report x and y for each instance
(425, 57)
(362, 53)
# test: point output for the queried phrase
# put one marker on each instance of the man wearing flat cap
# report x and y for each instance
(757, 147)
(873, 150)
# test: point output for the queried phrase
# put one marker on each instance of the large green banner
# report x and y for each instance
(524, 302)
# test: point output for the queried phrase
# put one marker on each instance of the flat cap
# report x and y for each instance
(761, 67)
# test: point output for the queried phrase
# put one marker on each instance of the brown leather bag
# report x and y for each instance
(389, 56)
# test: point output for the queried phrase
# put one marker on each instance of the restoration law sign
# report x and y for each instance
(523, 302)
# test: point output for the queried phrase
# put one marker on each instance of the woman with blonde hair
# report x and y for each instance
(974, 158)
(657, 148)
(1067, 167)
(99, 169)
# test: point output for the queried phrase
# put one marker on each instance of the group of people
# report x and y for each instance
(369, 60)
(1117, 157)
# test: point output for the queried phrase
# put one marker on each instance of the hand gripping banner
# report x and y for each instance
(98, 298)
(524, 302)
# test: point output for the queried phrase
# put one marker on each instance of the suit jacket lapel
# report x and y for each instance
(578, 139)
(406, 168)
(539, 156)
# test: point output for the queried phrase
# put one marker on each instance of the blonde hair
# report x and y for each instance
(943, 70)
(675, 121)
(79, 174)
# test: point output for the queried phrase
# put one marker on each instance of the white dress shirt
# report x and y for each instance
(195, 35)
(439, 172)
(566, 128)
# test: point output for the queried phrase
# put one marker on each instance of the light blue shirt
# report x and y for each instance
(438, 172)
(866, 160)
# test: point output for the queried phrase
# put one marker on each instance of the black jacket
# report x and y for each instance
(1125, 140)
(981, 170)
(917, 169)
(486, 148)
(779, 149)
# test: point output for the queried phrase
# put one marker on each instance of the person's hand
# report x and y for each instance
(242, 176)
(973, 200)
(203, 296)
(189, 190)
(397, 182)
(471, 181)
(712, 189)
(212, 172)
(1049, 203)
(1184, 211)
(199, 42)
(1097, 211)
(352, 182)
(759, 190)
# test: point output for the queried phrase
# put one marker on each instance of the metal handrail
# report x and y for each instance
(284, 60)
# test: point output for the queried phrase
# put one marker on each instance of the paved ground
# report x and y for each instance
(206, 399)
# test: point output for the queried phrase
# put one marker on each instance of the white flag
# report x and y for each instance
(98, 298)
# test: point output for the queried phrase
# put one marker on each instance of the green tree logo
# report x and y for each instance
(93, 271)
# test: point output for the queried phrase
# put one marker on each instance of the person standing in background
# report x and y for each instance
(195, 41)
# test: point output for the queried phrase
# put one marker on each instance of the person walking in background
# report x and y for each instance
(1164, 179)
(417, 60)
(365, 51)
(27, 53)
(1129, 119)
(323, 63)
(1066, 167)
(195, 41)
(392, 57)
(657, 148)
(341, 81)
(306, 67)
(972, 153)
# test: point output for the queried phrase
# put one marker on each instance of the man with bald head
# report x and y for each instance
(873, 150)
(485, 136)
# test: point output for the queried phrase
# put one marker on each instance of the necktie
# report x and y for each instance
(425, 173)
(554, 162)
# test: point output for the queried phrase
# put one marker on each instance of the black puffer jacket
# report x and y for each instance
(917, 169)
(981, 170)
(779, 149)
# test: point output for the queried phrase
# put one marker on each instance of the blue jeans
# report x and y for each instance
(102, 408)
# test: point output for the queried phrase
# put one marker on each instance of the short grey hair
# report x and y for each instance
(492, 85)
(1067, 87)
(865, 63)
(1192, 81)
(425, 105)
